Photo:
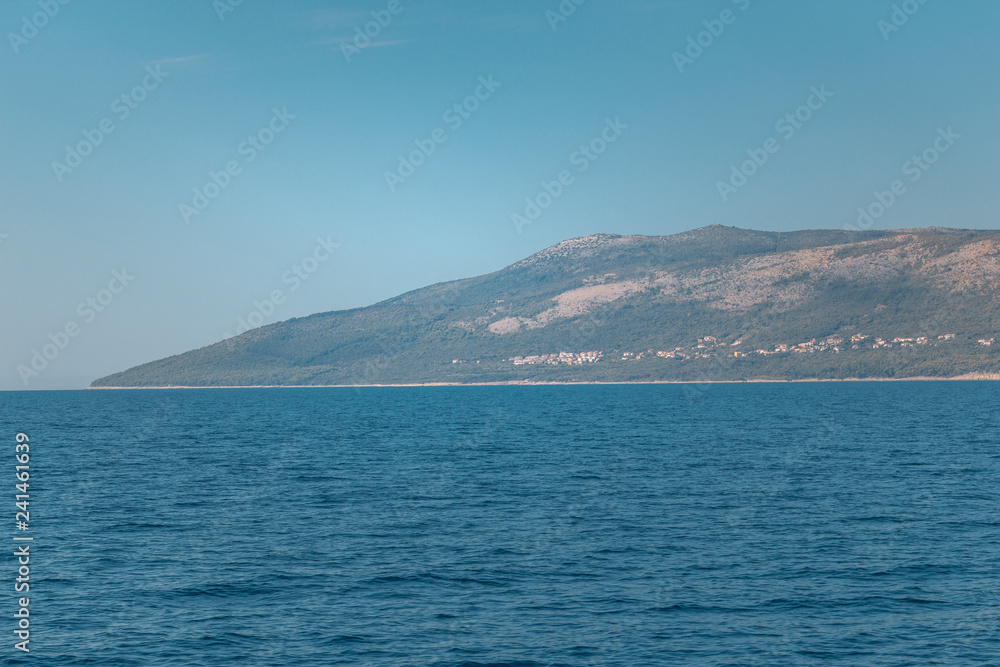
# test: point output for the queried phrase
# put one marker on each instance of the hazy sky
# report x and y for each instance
(286, 119)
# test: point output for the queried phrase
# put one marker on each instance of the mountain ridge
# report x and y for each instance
(646, 295)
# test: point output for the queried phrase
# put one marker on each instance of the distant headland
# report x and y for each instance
(716, 304)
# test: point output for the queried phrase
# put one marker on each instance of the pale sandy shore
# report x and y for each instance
(966, 377)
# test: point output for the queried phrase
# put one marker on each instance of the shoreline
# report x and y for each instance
(969, 377)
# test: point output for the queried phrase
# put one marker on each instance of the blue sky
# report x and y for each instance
(208, 86)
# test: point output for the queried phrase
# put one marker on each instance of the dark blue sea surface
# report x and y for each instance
(740, 524)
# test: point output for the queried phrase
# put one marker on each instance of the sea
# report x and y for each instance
(840, 523)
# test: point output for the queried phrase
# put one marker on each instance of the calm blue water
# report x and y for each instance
(851, 524)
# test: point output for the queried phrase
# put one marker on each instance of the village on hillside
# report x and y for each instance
(712, 346)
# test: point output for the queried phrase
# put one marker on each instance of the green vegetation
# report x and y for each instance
(764, 287)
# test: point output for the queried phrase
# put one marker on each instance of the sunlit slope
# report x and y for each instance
(632, 294)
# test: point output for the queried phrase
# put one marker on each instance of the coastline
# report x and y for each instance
(516, 383)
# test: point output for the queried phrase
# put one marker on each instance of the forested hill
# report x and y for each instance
(710, 304)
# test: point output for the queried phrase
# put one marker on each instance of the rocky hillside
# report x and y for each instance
(713, 303)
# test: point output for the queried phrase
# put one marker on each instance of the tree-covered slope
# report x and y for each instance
(636, 300)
